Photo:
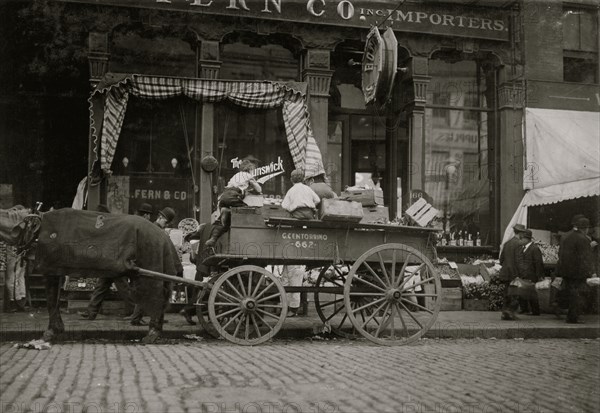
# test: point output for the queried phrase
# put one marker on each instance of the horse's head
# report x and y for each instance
(17, 226)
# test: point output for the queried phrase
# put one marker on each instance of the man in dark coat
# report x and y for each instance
(530, 266)
(575, 266)
(508, 261)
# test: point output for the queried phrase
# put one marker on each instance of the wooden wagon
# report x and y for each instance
(377, 281)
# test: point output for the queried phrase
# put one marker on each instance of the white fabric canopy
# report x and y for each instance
(563, 159)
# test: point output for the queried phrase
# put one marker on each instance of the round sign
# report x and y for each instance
(372, 64)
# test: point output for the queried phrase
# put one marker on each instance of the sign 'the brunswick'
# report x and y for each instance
(438, 19)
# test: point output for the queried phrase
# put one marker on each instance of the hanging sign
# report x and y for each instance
(379, 65)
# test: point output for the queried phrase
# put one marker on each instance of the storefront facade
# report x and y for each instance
(451, 131)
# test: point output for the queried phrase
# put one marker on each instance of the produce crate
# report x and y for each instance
(340, 210)
(376, 214)
(451, 298)
(474, 304)
(367, 197)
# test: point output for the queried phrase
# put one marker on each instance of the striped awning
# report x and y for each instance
(115, 90)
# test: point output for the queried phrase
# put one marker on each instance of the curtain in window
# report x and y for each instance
(115, 90)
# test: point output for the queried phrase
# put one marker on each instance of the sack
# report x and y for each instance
(558, 284)
(543, 285)
(521, 288)
(593, 282)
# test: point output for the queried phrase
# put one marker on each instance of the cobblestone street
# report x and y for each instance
(474, 376)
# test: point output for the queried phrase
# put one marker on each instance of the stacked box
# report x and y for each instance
(367, 197)
(376, 214)
(340, 210)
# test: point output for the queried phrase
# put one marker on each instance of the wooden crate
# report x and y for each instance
(451, 298)
(340, 210)
(421, 212)
(367, 197)
(376, 214)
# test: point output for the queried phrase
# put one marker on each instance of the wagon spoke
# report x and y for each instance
(237, 328)
(366, 264)
(332, 302)
(267, 314)
(402, 270)
(412, 286)
(392, 306)
(220, 315)
(411, 274)
(342, 322)
(419, 295)
(260, 280)
(250, 281)
(263, 321)
(417, 305)
(227, 304)
(382, 320)
(268, 298)
(393, 272)
(232, 319)
(334, 313)
(372, 303)
(255, 324)
(268, 287)
(369, 284)
(411, 315)
(401, 319)
(270, 306)
(229, 297)
(239, 278)
(383, 270)
(247, 329)
(373, 314)
(234, 289)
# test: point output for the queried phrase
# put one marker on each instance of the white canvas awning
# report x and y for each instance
(562, 150)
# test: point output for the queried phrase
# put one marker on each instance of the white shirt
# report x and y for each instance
(240, 180)
(527, 246)
(300, 196)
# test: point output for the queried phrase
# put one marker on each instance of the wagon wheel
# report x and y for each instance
(401, 291)
(247, 305)
(329, 306)
(202, 313)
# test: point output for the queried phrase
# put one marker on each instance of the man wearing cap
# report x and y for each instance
(530, 266)
(509, 271)
(575, 266)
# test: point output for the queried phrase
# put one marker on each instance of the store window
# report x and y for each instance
(456, 148)
(254, 134)
(580, 45)
(151, 163)
(257, 134)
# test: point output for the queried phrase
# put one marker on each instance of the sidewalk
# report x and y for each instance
(450, 324)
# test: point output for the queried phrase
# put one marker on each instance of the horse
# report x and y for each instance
(95, 244)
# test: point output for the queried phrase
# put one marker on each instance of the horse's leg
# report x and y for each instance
(157, 316)
(55, 323)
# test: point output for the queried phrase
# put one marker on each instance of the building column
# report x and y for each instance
(208, 67)
(98, 61)
(316, 72)
(417, 81)
(510, 153)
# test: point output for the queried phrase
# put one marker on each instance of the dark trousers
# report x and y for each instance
(509, 302)
(574, 290)
(103, 289)
(530, 304)
(303, 213)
